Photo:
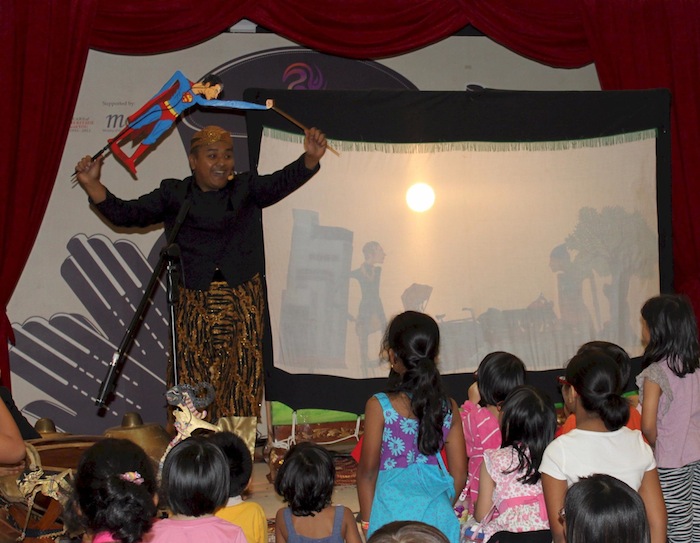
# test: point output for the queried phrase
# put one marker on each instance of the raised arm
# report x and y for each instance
(148, 209)
(270, 189)
(473, 393)
(88, 172)
(314, 147)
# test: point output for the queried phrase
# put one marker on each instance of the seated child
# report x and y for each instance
(601, 508)
(194, 484)
(305, 481)
(247, 514)
(113, 498)
(497, 374)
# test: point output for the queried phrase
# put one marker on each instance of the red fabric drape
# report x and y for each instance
(363, 28)
(634, 43)
(548, 31)
(44, 49)
(355, 28)
(652, 44)
(135, 27)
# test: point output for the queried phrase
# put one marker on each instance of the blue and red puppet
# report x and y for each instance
(146, 126)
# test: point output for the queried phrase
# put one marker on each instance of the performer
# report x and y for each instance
(160, 112)
(220, 315)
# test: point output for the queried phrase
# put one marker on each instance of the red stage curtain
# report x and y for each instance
(44, 48)
(634, 43)
(642, 44)
(138, 27)
(549, 31)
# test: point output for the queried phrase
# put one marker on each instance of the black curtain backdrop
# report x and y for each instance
(418, 117)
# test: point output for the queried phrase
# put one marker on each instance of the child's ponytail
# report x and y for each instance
(414, 339)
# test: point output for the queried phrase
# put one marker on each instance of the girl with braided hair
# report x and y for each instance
(402, 475)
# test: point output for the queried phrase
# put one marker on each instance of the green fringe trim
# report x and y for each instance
(477, 146)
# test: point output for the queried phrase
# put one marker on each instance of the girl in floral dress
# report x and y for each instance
(401, 475)
(510, 481)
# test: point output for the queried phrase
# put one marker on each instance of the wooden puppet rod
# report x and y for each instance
(294, 121)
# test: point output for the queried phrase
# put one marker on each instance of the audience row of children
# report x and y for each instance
(114, 505)
(517, 476)
(506, 429)
(116, 495)
(597, 509)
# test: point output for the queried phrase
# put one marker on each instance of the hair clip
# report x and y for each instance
(132, 477)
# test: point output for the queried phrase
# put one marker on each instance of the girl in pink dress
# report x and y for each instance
(510, 481)
(497, 374)
(194, 484)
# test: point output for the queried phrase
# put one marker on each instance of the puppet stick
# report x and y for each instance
(99, 153)
(294, 121)
(270, 104)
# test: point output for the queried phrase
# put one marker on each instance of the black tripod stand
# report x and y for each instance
(170, 259)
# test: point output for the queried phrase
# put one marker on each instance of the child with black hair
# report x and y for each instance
(669, 391)
(510, 481)
(247, 514)
(305, 481)
(620, 356)
(114, 493)
(603, 509)
(194, 484)
(498, 373)
(600, 443)
(402, 475)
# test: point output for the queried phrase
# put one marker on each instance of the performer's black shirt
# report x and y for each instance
(222, 229)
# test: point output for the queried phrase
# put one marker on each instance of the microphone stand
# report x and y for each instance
(169, 252)
(172, 274)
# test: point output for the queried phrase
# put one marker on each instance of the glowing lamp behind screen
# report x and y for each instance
(420, 197)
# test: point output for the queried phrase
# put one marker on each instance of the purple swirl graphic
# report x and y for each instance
(302, 76)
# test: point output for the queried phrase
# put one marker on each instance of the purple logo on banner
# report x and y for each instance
(293, 68)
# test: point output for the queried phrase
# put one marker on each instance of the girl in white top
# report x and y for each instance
(600, 443)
